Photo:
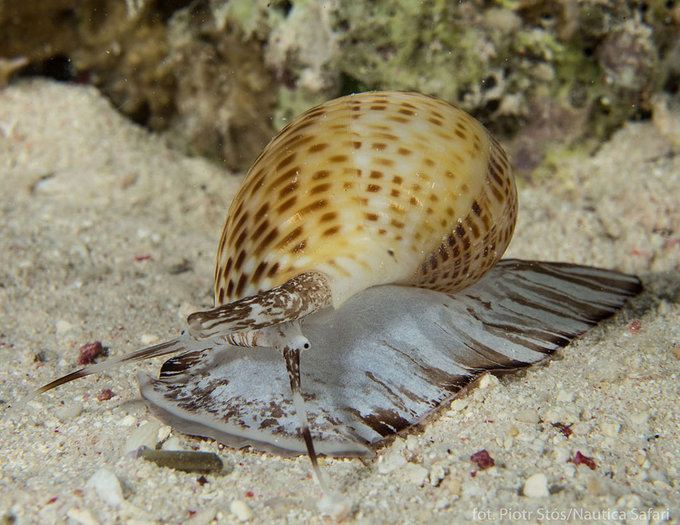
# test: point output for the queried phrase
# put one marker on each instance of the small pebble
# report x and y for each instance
(629, 501)
(82, 516)
(442, 504)
(334, 505)
(180, 267)
(513, 431)
(89, 352)
(565, 396)
(568, 470)
(457, 405)
(580, 459)
(69, 410)
(149, 339)
(527, 415)
(609, 428)
(605, 369)
(412, 443)
(505, 442)
(203, 517)
(173, 443)
(105, 395)
(437, 473)
(106, 485)
(536, 486)
(503, 20)
(664, 307)
(561, 452)
(241, 510)
(145, 435)
(164, 433)
(482, 459)
(561, 414)
(487, 381)
(184, 460)
(634, 327)
(666, 120)
(128, 421)
(63, 327)
(595, 487)
(391, 462)
(416, 474)
(638, 419)
(453, 487)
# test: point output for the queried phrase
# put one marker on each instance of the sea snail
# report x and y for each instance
(359, 233)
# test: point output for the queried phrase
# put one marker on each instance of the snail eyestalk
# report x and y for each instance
(288, 339)
(292, 358)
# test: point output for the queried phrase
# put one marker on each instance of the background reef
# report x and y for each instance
(219, 77)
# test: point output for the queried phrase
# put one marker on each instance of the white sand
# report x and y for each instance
(87, 196)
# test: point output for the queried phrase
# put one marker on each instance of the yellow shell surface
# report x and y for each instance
(372, 188)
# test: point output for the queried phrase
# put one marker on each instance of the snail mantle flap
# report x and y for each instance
(385, 360)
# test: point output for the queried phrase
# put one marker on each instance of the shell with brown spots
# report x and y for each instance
(370, 189)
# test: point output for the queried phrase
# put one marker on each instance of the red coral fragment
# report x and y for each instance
(634, 326)
(482, 459)
(585, 460)
(88, 352)
(105, 395)
(143, 257)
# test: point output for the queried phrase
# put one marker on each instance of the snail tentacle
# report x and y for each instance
(173, 346)
(280, 337)
(292, 359)
(288, 339)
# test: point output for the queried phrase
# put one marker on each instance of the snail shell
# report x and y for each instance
(368, 189)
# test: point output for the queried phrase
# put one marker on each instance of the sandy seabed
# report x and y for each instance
(108, 235)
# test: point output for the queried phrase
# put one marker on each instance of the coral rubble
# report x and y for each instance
(219, 76)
